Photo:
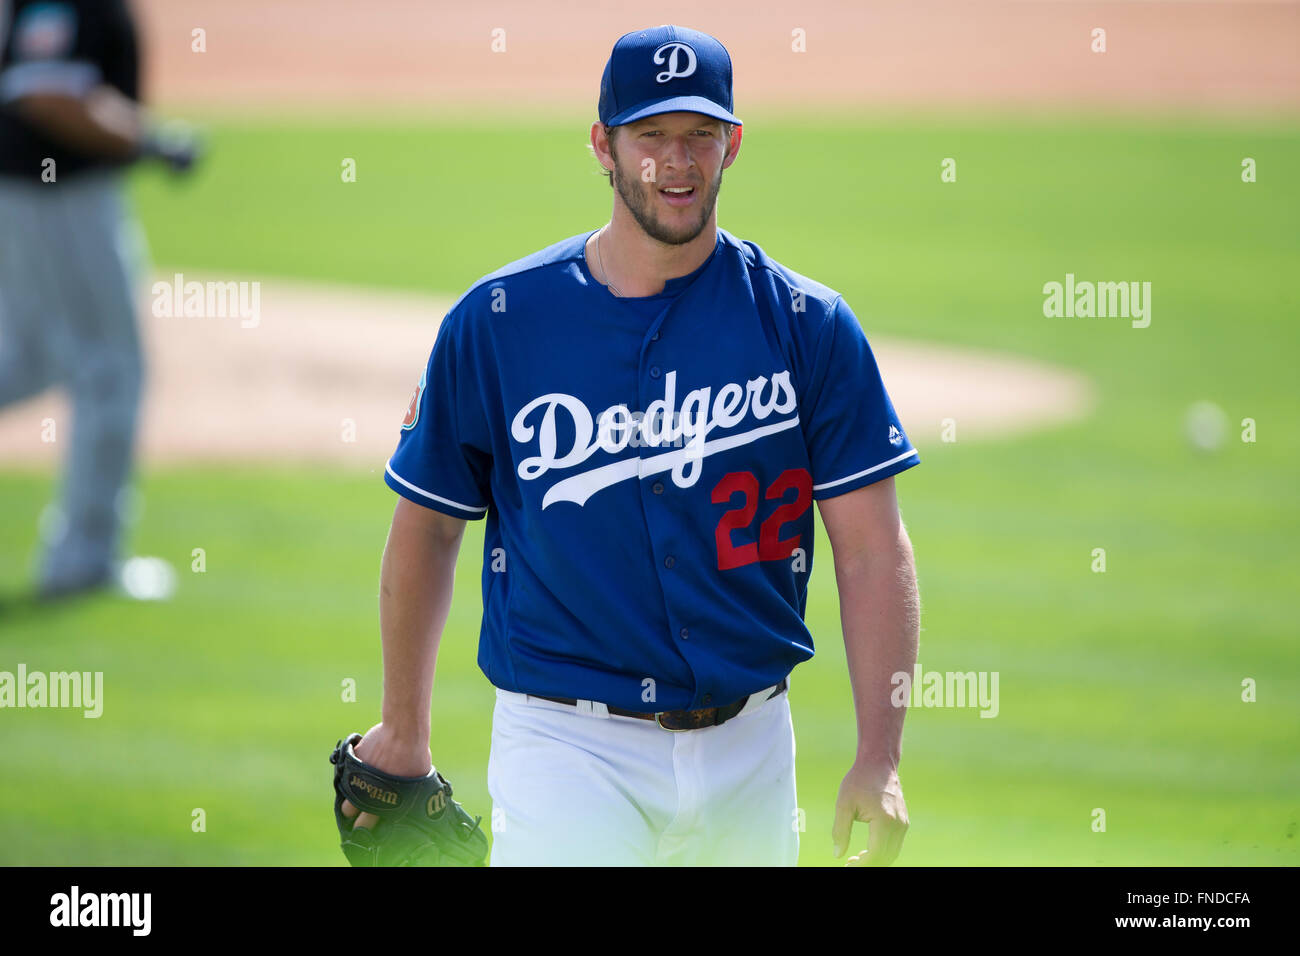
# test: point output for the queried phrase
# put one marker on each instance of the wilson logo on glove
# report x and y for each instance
(444, 835)
(375, 793)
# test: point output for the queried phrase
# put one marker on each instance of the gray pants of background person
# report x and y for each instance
(70, 254)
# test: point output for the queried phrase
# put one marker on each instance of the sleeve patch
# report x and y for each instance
(413, 410)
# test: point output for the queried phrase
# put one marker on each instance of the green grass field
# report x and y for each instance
(1119, 691)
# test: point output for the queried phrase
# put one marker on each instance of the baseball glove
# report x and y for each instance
(419, 823)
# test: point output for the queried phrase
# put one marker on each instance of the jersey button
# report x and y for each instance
(669, 561)
(654, 371)
(655, 336)
(686, 633)
(657, 487)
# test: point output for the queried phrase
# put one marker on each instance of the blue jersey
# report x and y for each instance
(647, 468)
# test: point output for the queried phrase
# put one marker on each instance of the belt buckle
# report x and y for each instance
(682, 730)
(671, 730)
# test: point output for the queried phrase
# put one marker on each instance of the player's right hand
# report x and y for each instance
(386, 751)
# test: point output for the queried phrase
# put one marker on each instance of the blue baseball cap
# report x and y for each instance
(666, 70)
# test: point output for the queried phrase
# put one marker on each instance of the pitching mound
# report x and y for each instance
(325, 375)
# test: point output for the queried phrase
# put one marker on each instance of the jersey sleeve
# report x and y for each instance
(443, 459)
(854, 436)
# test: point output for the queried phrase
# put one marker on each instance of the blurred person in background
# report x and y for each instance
(71, 254)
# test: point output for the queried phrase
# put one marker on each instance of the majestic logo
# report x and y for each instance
(662, 423)
(413, 410)
(373, 792)
(895, 436)
(676, 50)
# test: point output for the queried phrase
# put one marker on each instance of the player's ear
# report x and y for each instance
(600, 145)
(733, 146)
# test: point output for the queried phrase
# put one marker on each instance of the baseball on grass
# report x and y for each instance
(148, 579)
(1206, 426)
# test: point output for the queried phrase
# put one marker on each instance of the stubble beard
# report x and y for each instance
(638, 200)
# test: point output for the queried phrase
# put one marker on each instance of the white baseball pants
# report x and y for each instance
(577, 786)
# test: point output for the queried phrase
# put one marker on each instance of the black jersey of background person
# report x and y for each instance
(35, 32)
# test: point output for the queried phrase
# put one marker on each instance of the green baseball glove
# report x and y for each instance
(419, 823)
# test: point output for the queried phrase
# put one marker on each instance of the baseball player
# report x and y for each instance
(644, 415)
(70, 255)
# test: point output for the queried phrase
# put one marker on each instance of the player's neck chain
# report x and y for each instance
(610, 285)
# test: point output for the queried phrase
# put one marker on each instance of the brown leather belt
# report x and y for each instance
(678, 720)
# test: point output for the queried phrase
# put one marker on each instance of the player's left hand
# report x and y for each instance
(873, 794)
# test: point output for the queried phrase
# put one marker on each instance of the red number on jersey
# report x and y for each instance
(730, 556)
(770, 546)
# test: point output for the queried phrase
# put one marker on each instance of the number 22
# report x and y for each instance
(769, 546)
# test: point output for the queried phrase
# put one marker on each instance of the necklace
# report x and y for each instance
(599, 262)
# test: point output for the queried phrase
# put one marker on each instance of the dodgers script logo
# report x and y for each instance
(662, 423)
(674, 48)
